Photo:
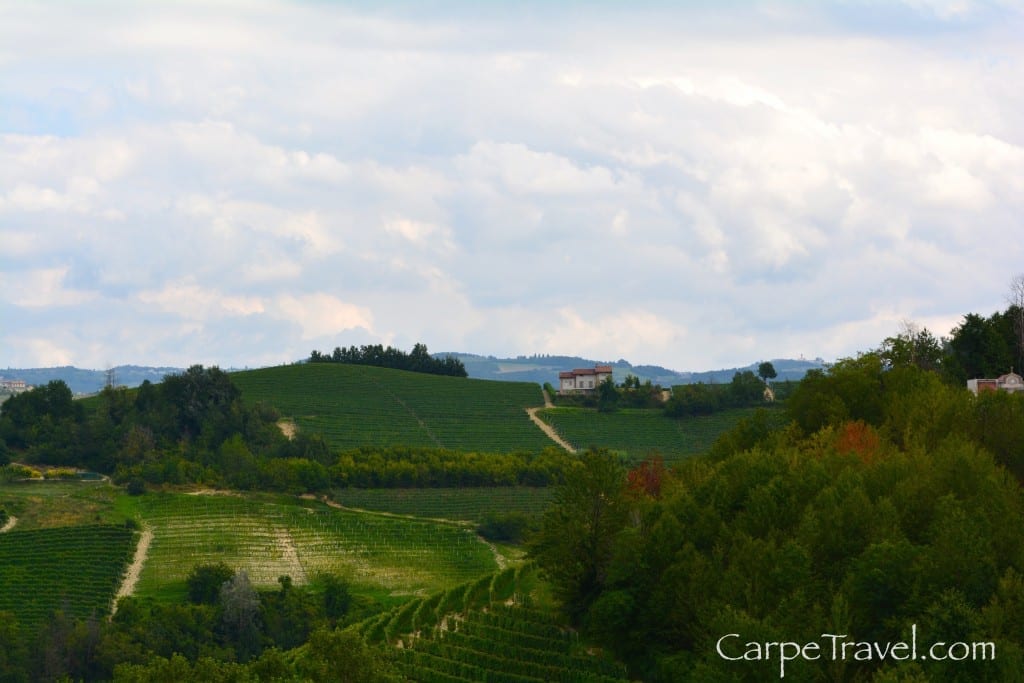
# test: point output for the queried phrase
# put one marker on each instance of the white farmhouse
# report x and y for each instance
(1011, 382)
(583, 380)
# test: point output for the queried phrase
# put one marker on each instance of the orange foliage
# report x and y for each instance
(646, 477)
(859, 438)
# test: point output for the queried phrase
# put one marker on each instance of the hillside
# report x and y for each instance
(83, 381)
(358, 405)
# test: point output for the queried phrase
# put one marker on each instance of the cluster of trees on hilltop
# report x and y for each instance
(418, 360)
(191, 414)
(745, 390)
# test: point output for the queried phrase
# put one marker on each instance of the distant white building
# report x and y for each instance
(13, 385)
(1011, 382)
(583, 380)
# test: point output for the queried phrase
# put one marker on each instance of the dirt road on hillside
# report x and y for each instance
(545, 427)
(134, 569)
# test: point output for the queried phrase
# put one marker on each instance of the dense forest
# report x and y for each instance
(417, 360)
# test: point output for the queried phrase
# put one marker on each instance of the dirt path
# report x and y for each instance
(499, 559)
(9, 524)
(381, 513)
(548, 429)
(284, 543)
(134, 569)
(287, 427)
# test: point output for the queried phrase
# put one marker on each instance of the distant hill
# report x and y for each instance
(82, 381)
(541, 369)
(537, 369)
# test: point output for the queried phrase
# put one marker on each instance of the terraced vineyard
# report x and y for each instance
(505, 643)
(271, 536)
(642, 432)
(467, 504)
(76, 569)
(487, 630)
(358, 405)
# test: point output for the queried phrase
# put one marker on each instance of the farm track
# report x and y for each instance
(134, 569)
(9, 524)
(381, 513)
(548, 429)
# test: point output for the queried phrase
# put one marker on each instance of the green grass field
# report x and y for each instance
(642, 432)
(43, 504)
(466, 504)
(358, 405)
(269, 536)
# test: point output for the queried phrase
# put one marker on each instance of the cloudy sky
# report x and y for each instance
(696, 185)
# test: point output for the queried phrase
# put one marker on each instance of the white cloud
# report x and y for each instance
(675, 184)
(321, 315)
(41, 288)
(190, 301)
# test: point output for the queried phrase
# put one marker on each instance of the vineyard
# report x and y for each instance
(356, 405)
(640, 433)
(272, 536)
(466, 504)
(75, 569)
(486, 630)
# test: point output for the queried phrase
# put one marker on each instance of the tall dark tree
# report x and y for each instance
(575, 542)
(981, 347)
(766, 371)
(607, 395)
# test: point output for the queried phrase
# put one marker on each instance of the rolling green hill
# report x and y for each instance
(358, 405)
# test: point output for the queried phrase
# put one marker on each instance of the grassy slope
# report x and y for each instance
(354, 405)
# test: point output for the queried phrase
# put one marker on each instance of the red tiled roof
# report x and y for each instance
(579, 372)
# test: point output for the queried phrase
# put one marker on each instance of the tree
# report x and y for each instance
(766, 371)
(1016, 311)
(746, 389)
(607, 396)
(205, 580)
(574, 544)
(913, 346)
(336, 655)
(241, 607)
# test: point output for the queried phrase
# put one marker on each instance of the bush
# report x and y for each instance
(507, 527)
(205, 581)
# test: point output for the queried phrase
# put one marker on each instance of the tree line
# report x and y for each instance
(417, 360)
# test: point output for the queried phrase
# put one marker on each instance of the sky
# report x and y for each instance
(696, 185)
